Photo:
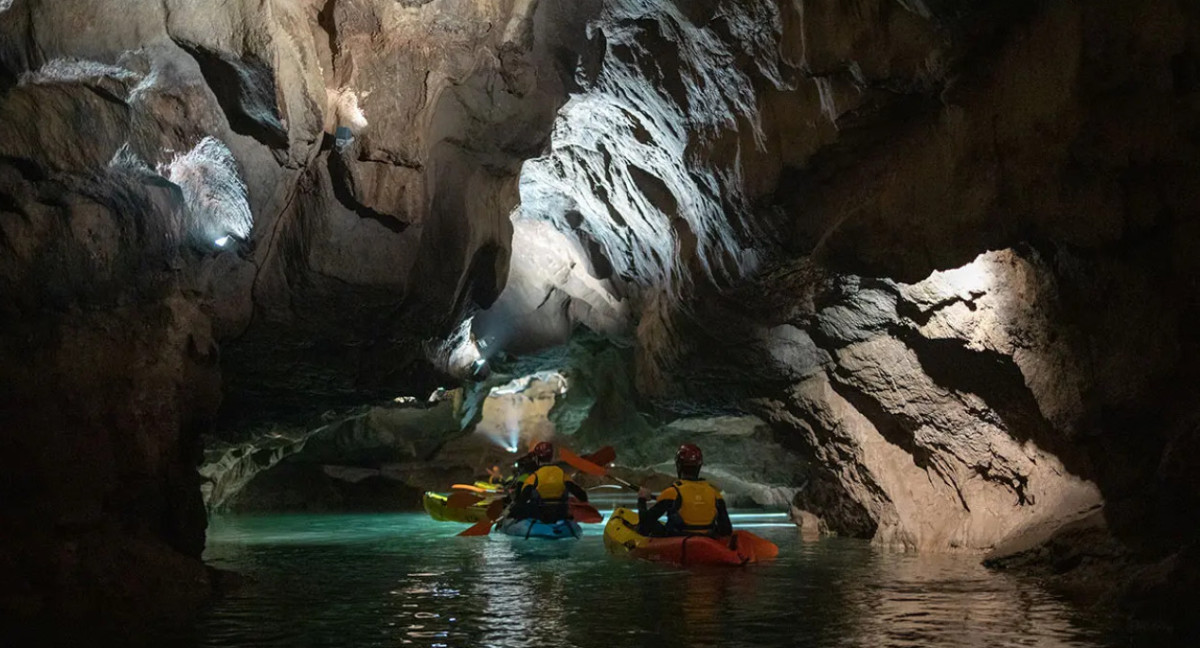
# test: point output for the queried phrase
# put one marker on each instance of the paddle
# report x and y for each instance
(462, 499)
(484, 527)
(585, 513)
(590, 468)
(603, 456)
(471, 489)
(581, 464)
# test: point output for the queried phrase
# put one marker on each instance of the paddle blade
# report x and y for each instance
(468, 488)
(481, 528)
(603, 456)
(462, 499)
(581, 464)
(495, 510)
(585, 513)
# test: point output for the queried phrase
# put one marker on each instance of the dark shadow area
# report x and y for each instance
(245, 89)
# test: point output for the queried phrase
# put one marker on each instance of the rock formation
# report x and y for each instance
(945, 249)
(270, 205)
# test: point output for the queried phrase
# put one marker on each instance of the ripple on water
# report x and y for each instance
(399, 580)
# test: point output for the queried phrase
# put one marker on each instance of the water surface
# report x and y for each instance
(403, 579)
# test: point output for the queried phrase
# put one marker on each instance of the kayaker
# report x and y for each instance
(692, 505)
(544, 494)
(523, 468)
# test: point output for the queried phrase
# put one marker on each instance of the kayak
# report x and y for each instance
(528, 528)
(621, 538)
(435, 506)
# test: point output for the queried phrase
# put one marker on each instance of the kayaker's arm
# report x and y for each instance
(577, 491)
(525, 491)
(660, 508)
(724, 526)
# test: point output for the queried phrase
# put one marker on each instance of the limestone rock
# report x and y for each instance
(253, 475)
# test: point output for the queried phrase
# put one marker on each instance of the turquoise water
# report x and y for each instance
(405, 580)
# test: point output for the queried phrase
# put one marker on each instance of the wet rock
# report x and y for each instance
(265, 472)
(109, 405)
(1085, 562)
(312, 488)
(903, 391)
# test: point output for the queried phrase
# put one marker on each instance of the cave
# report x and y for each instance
(919, 276)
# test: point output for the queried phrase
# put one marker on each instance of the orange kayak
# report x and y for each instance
(741, 548)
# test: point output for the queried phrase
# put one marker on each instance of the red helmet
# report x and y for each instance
(543, 452)
(689, 455)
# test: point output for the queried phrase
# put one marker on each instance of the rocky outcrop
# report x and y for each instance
(942, 407)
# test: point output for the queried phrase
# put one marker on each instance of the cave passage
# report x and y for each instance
(919, 276)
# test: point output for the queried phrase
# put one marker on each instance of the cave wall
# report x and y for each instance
(855, 152)
(1065, 129)
(214, 215)
(946, 248)
(954, 401)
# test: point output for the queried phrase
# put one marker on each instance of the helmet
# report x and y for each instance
(525, 464)
(544, 452)
(688, 459)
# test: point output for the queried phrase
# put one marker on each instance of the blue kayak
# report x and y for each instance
(534, 529)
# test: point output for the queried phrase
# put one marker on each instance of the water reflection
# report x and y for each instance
(905, 600)
(404, 580)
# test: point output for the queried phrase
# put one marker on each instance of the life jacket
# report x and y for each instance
(550, 482)
(695, 509)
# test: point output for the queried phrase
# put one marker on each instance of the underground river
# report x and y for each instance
(403, 579)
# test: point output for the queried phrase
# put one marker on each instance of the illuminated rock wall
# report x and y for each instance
(841, 156)
(950, 401)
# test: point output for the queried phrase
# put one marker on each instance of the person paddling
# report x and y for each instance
(691, 504)
(544, 494)
(522, 469)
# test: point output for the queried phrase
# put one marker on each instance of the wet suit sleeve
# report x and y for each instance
(577, 491)
(661, 507)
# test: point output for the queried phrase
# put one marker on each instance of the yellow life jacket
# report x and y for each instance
(696, 510)
(550, 482)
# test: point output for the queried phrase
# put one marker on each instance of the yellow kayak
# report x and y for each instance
(435, 506)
